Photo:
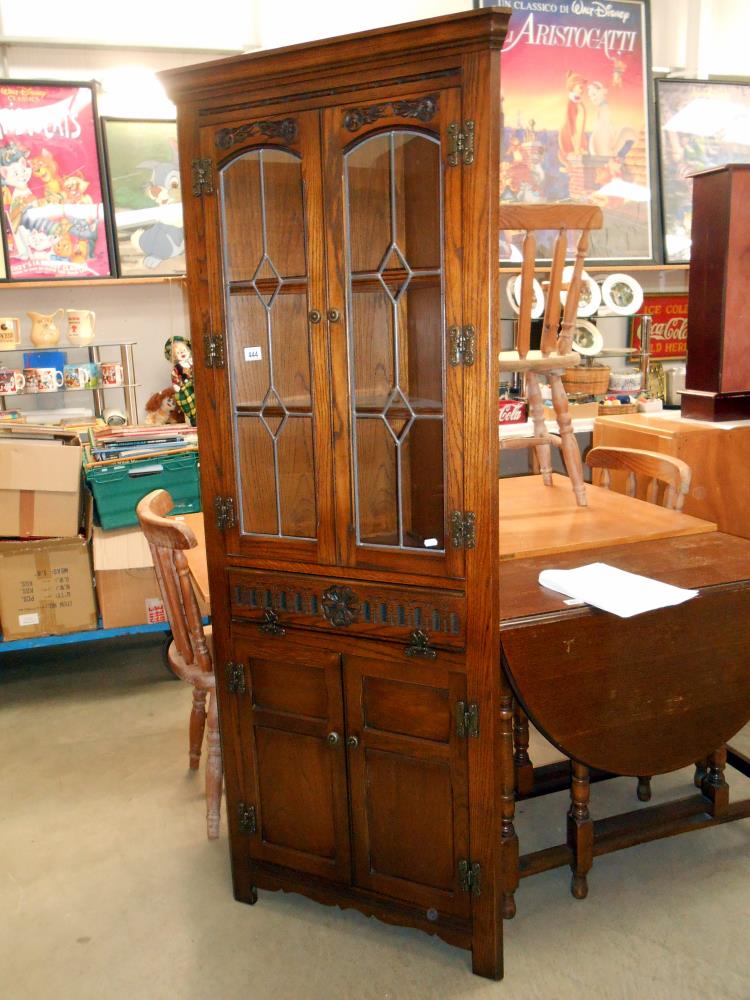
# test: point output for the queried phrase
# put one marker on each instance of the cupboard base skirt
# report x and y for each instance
(260, 875)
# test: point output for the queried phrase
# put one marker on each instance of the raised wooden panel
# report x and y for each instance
(397, 706)
(408, 781)
(292, 773)
(427, 857)
(381, 610)
(296, 780)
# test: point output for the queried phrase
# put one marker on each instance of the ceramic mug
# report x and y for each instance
(77, 376)
(12, 381)
(111, 373)
(10, 333)
(80, 326)
(43, 379)
(89, 373)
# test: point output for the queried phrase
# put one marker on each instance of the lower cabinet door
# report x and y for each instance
(408, 781)
(291, 727)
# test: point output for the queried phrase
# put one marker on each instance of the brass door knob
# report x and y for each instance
(315, 316)
(333, 739)
(352, 741)
(333, 315)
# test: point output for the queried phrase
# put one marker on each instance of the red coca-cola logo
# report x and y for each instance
(512, 411)
(673, 329)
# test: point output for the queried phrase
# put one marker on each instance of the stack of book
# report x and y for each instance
(119, 443)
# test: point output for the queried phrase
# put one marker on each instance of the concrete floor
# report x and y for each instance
(109, 888)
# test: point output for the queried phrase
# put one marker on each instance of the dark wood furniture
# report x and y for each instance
(635, 696)
(556, 352)
(718, 366)
(342, 244)
(189, 653)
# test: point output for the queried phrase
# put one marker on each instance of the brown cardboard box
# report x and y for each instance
(46, 587)
(126, 586)
(40, 482)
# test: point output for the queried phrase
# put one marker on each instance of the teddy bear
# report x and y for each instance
(162, 408)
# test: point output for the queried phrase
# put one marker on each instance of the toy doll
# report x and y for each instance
(178, 350)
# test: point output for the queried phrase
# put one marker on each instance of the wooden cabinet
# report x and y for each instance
(342, 245)
(718, 457)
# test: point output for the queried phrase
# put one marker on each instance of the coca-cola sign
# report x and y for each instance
(512, 411)
(668, 325)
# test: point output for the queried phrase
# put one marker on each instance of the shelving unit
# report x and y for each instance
(178, 279)
(128, 386)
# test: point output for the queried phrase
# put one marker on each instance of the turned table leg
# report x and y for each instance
(522, 762)
(508, 838)
(714, 786)
(644, 788)
(580, 830)
(701, 770)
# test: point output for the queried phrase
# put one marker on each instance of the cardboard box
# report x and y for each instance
(46, 587)
(126, 586)
(40, 482)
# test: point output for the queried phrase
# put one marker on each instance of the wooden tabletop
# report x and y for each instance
(538, 520)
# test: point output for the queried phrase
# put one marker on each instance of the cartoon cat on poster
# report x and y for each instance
(575, 123)
(51, 186)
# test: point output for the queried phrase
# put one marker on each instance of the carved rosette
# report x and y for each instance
(287, 129)
(340, 606)
(424, 110)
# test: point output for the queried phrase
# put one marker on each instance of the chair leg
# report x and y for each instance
(214, 771)
(580, 830)
(536, 409)
(523, 766)
(509, 870)
(569, 445)
(714, 786)
(644, 788)
(197, 727)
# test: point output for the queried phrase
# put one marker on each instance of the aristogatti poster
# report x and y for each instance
(574, 90)
(51, 184)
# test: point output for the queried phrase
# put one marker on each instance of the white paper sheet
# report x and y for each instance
(614, 590)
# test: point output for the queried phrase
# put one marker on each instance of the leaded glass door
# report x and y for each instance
(397, 286)
(268, 295)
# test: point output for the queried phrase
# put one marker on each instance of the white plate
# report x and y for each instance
(590, 298)
(513, 291)
(622, 294)
(586, 339)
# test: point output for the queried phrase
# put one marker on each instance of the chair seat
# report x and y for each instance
(535, 361)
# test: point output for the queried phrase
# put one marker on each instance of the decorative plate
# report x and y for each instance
(586, 339)
(590, 298)
(513, 291)
(622, 294)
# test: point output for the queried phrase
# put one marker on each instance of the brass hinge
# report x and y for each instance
(461, 345)
(469, 876)
(463, 529)
(467, 720)
(236, 678)
(461, 149)
(224, 512)
(203, 177)
(246, 818)
(213, 350)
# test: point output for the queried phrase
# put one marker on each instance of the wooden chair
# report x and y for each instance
(665, 477)
(189, 653)
(556, 352)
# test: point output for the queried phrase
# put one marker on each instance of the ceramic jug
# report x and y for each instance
(80, 326)
(10, 333)
(44, 333)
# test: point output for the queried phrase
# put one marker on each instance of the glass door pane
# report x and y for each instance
(266, 305)
(395, 290)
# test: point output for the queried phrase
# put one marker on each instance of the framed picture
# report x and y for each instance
(701, 125)
(144, 180)
(54, 203)
(576, 127)
(669, 312)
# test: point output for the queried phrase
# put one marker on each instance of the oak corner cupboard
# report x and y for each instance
(342, 271)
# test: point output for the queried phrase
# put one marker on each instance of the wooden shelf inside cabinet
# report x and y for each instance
(178, 279)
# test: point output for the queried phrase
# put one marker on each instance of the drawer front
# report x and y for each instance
(357, 608)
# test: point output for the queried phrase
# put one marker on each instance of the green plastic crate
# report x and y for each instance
(118, 488)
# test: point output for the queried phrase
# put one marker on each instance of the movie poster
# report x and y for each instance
(51, 182)
(144, 178)
(574, 90)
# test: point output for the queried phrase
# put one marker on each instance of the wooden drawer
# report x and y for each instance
(355, 608)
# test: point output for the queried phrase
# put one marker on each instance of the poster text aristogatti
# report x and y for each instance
(614, 41)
